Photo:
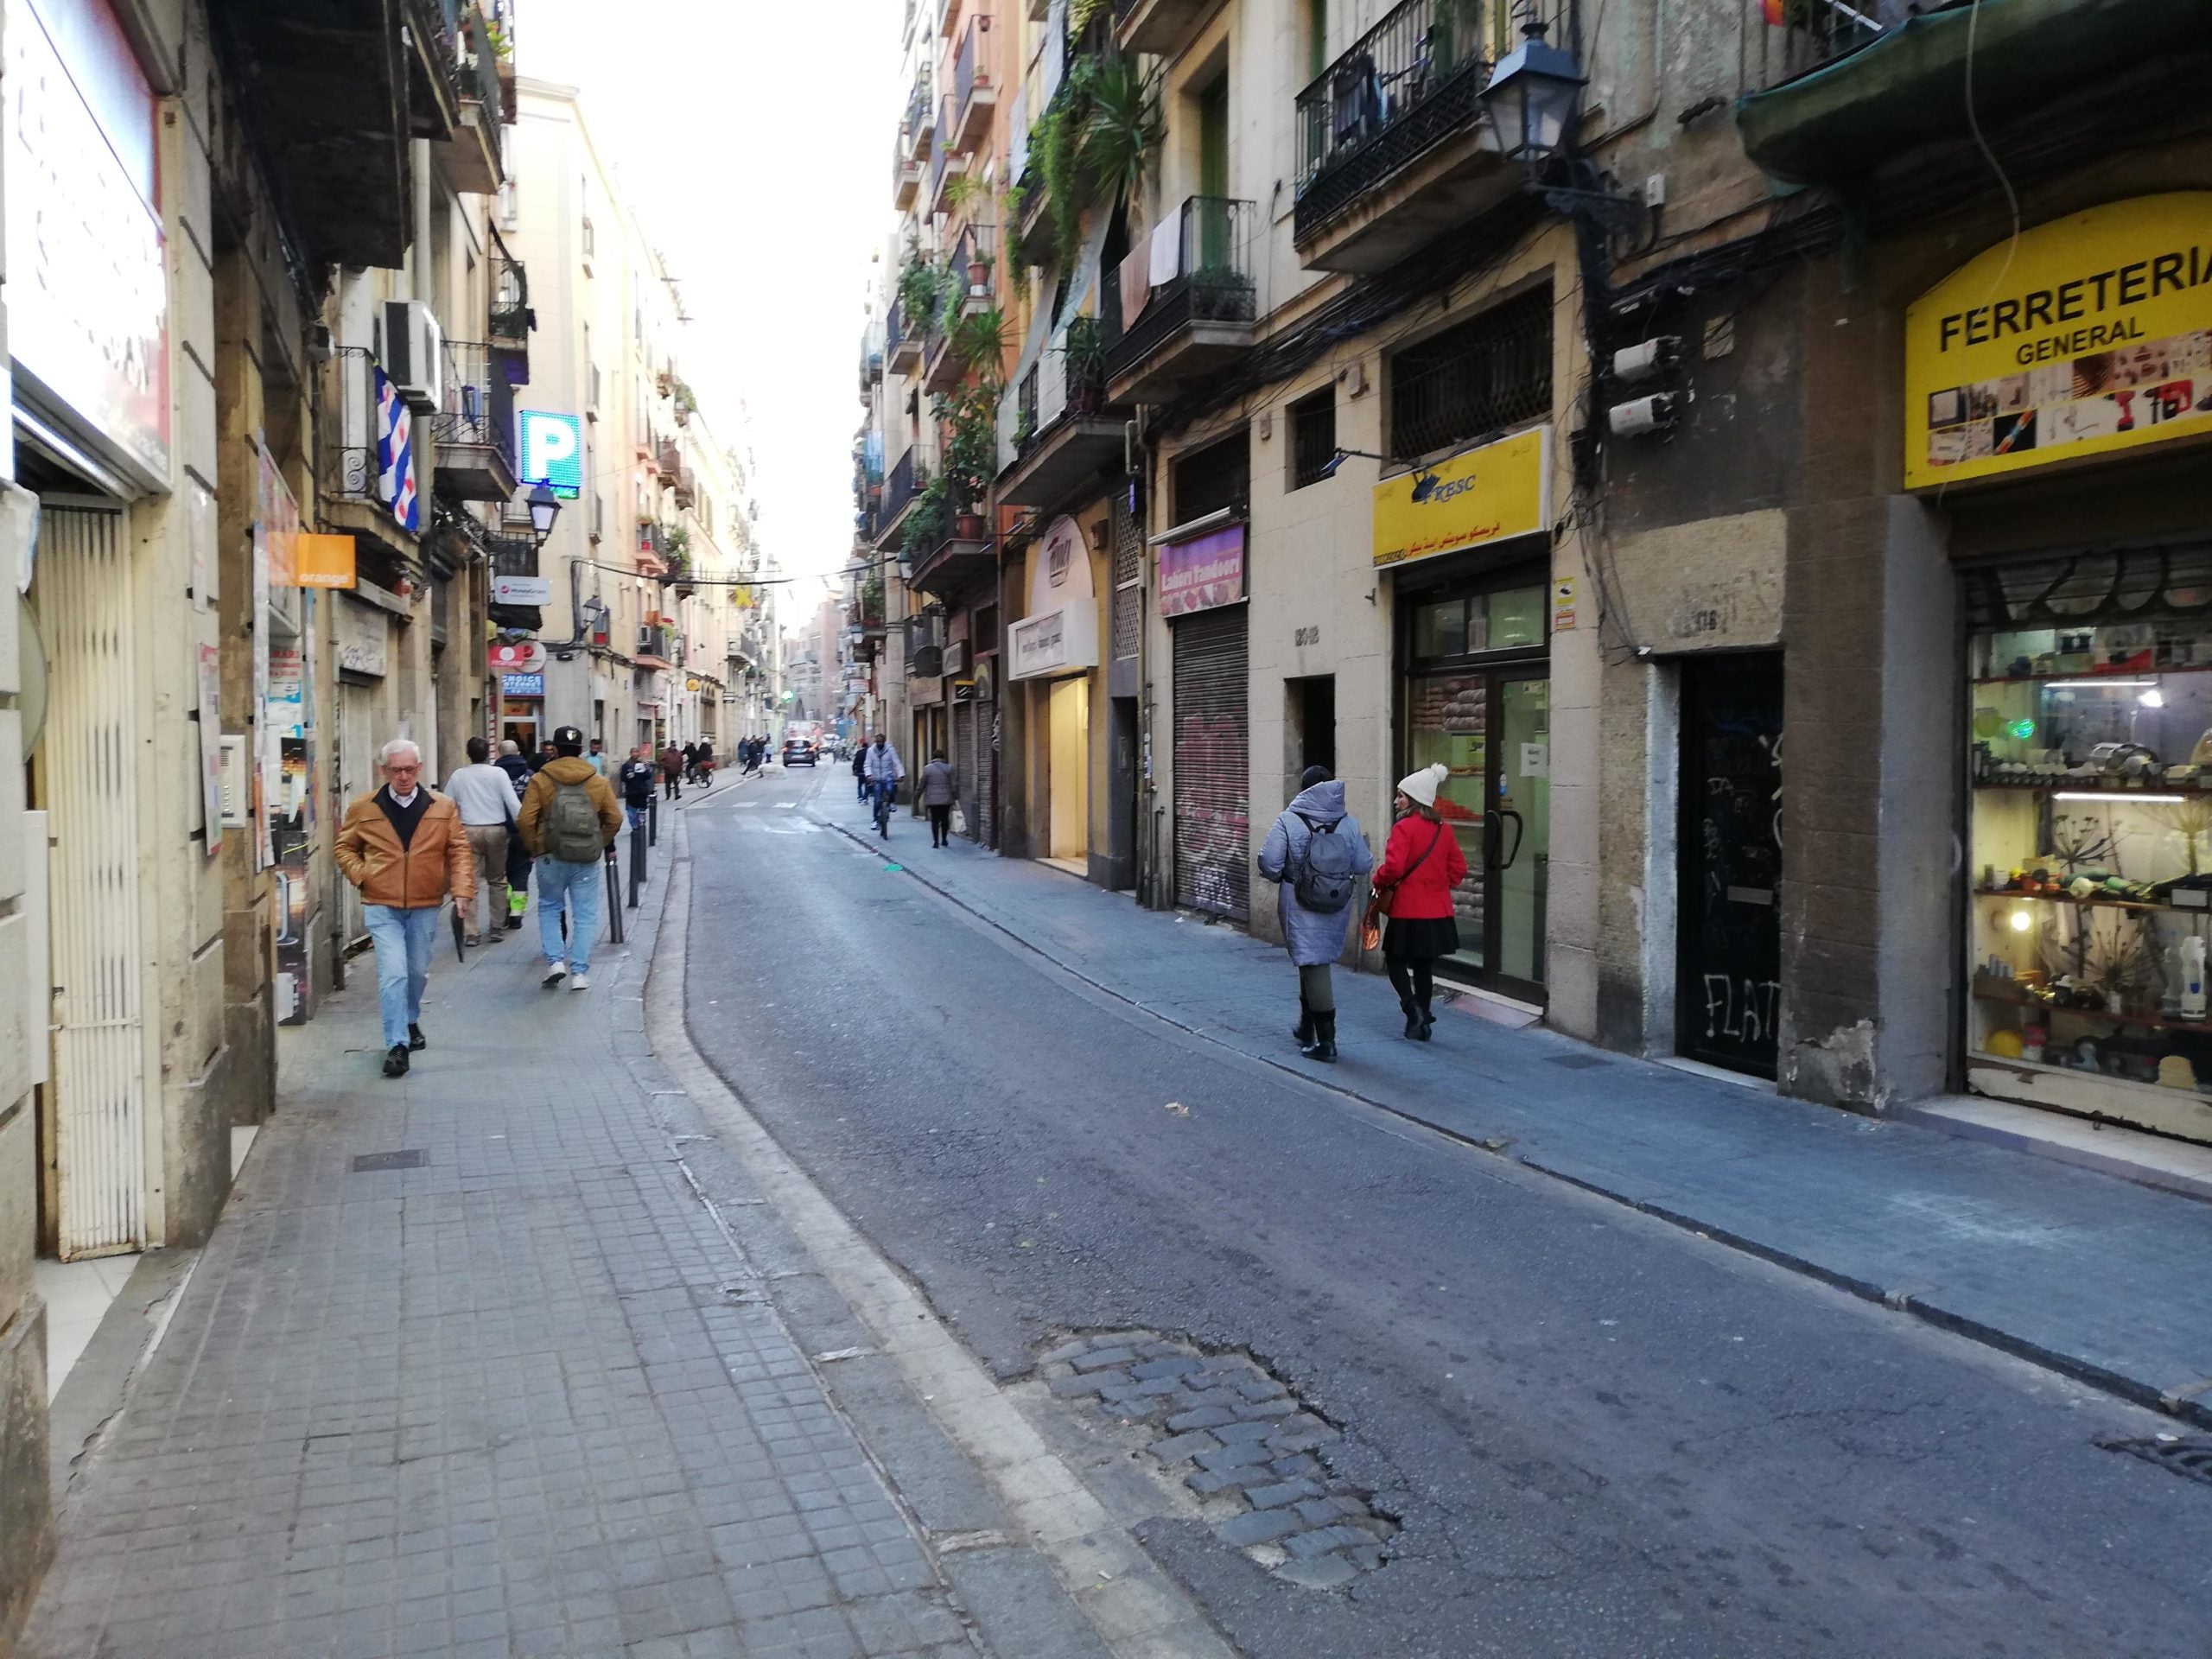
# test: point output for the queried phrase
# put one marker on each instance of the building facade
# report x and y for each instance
(1607, 403)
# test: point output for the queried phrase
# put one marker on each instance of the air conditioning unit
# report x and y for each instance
(414, 354)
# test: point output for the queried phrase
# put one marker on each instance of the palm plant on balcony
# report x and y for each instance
(1124, 130)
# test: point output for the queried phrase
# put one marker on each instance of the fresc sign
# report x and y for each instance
(552, 452)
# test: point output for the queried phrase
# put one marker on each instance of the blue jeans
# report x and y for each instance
(638, 814)
(578, 884)
(403, 938)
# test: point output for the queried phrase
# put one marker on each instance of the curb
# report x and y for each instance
(2175, 1401)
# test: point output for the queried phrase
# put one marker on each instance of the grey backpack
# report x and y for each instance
(572, 828)
(1321, 875)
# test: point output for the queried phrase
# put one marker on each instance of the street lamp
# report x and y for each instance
(544, 508)
(1532, 97)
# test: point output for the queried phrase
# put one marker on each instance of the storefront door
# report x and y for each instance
(1477, 697)
(1728, 985)
(1068, 722)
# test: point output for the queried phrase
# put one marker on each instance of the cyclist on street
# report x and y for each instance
(881, 770)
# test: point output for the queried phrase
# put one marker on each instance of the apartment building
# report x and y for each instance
(1560, 392)
(249, 483)
(655, 537)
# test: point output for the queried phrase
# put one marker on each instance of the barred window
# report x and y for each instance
(1484, 376)
(1218, 476)
(1313, 437)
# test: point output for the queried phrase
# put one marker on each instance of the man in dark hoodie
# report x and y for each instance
(1318, 858)
(568, 816)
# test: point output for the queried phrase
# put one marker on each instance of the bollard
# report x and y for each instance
(636, 861)
(652, 821)
(613, 896)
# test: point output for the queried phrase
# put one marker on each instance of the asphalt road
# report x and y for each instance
(1603, 1436)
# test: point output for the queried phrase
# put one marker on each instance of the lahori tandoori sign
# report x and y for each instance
(1500, 490)
(2092, 333)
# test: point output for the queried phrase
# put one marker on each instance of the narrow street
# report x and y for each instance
(1598, 1433)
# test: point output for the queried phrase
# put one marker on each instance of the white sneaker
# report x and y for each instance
(555, 973)
(580, 981)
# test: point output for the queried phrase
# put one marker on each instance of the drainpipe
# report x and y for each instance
(422, 266)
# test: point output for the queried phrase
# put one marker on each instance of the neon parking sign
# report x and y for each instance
(552, 448)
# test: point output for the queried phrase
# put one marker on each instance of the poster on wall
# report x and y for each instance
(211, 744)
(2086, 336)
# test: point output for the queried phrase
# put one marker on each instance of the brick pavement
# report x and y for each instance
(526, 1396)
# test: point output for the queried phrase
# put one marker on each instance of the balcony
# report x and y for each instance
(1066, 437)
(915, 131)
(1200, 321)
(954, 564)
(510, 321)
(687, 487)
(1165, 26)
(1853, 96)
(974, 98)
(898, 491)
(668, 461)
(1393, 148)
(655, 646)
(905, 177)
(473, 436)
(654, 553)
(946, 165)
(472, 152)
(902, 350)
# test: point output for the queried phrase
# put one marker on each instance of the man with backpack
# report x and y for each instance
(569, 818)
(1318, 858)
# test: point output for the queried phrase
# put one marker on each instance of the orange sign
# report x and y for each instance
(322, 560)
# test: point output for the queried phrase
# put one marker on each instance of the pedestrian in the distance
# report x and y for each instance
(488, 805)
(568, 816)
(636, 779)
(1317, 857)
(404, 846)
(691, 752)
(516, 766)
(602, 762)
(940, 788)
(1422, 866)
(671, 772)
(859, 770)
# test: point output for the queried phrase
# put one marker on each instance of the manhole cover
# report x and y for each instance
(2189, 1458)
(1248, 1448)
(412, 1158)
(1576, 1062)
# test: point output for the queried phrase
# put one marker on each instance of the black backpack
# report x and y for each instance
(1321, 873)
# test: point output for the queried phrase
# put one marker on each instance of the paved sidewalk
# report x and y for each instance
(2098, 1277)
(472, 1366)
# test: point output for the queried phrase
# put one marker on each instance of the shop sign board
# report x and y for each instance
(552, 450)
(87, 283)
(1487, 494)
(2085, 336)
(1203, 572)
(516, 657)
(522, 685)
(1060, 633)
(319, 561)
(522, 590)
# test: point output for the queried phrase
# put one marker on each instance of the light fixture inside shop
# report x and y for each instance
(2021, 921)
(2153, 698)
(2116, 795)
(2116, 685)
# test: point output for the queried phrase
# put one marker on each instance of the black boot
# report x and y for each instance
(1303, 1030)
(1324, 1046)
(395, 1060)
(415, 1039)
(1413, 1017)
(1427, 1022)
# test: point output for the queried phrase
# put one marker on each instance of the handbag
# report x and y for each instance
(1378, 906)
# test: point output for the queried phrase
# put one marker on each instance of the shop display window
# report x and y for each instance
(2090, 851)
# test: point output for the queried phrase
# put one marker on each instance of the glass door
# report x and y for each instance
(1517, 844)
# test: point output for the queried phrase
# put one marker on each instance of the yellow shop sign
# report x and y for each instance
(2093, 333)
(1501, 490)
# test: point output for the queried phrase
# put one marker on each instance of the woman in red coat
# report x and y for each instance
(1421, 867)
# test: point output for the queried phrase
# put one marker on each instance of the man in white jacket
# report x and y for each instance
(486, 796)
(880, 770)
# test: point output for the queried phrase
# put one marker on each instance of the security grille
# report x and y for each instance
(1127, 616)
(1489, 373)
(1218, 476)
(964, 767)
(1313, 437)
(1212, 744)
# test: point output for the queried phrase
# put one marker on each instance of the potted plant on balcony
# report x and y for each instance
(931, 517)
(970, 456)
(1085, 347)
(917, 291)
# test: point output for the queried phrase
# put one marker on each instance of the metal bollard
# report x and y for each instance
(652, 821)
(613, 896)
(636, 861)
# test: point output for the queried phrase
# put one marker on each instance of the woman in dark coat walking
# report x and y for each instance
(1413, 885)
(1314, 938)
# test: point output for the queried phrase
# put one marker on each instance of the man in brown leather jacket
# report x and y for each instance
(404, 846)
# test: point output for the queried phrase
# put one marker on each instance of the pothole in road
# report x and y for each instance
(1246, 1446)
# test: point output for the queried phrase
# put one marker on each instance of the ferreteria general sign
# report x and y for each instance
(2092, 333)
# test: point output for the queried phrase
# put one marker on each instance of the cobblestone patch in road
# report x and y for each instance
(1254, 1454)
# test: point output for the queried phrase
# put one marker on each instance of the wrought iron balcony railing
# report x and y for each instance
(480, 405)
(1811, 33)
(1212, 281)
(898, 489)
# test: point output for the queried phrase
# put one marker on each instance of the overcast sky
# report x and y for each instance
(753, 139)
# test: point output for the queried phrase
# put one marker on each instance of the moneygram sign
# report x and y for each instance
(2093, 333)
(552, 450)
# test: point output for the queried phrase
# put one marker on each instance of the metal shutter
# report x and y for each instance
(987, 773)
(91, 745)
(964, 764)
(1213, 764)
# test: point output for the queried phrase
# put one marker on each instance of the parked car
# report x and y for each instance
(798, 752)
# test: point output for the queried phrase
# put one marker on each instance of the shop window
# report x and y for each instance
(1482, 378)
(1313, 437)
(1507, 618)
(1218, 476)
(1440, 628)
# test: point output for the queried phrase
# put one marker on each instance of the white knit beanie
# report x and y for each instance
(1421, 786)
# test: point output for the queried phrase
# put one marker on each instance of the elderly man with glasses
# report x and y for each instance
(405, 848)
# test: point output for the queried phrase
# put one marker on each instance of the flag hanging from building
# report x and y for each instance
(395, 456)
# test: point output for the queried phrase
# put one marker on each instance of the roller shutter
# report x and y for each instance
(1213, 764)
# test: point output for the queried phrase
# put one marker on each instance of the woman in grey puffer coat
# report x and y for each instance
(1315, 938)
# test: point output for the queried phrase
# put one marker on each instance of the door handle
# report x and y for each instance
(1506, 862)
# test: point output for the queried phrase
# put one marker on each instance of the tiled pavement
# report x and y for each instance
(523, 1395)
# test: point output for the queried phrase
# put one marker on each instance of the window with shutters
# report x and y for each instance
(1479, 378)
(1313, 437)
(1218, 476)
